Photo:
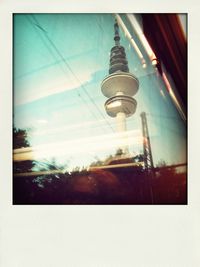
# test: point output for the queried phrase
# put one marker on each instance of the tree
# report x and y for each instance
(20, 140)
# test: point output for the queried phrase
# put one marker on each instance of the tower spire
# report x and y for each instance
(116, 37)
(118, 61)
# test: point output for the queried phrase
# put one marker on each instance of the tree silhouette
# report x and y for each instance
(20, 140)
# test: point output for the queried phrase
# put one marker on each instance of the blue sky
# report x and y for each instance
(60, 61)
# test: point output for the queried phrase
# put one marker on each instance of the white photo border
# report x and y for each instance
(103, 236)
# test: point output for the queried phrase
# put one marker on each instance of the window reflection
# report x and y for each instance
(66, 149)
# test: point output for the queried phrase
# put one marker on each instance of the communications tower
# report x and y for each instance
(119, 87)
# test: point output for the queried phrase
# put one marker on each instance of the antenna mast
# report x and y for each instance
(148, 159)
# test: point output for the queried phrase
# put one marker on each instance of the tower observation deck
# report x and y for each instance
(119, 87)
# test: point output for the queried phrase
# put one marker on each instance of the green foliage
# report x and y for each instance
(20, 138)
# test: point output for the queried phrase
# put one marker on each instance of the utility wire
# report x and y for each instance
(51, 52)
(48, 48)
(165, 117)
(68, 66)
(169, 129)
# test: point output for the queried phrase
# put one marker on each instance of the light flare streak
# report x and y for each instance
(130, 38)
(142, 38)
(78, 146)
(173, 96)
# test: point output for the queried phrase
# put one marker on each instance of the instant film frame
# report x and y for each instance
(89, 132)
(166, 236)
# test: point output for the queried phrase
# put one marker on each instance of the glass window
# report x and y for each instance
(67, 148)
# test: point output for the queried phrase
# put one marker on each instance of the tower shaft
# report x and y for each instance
(121, 128)
(121, 122)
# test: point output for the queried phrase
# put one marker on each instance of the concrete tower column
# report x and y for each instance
(119, 87)
(121, 122)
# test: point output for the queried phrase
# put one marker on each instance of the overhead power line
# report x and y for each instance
(37, 24)
(52, 53)
(165, 117)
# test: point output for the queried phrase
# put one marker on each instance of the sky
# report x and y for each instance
(60, 61)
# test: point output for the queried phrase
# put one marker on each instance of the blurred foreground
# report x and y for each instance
(130, 185)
